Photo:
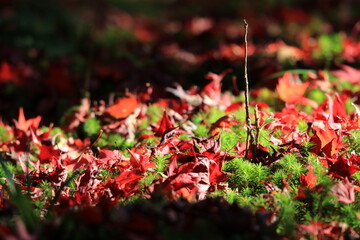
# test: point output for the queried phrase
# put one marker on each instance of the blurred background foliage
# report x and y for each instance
(53, 53)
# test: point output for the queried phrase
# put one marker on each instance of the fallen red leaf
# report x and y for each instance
(326, 140)
(123, 107)
(271, 188)
(216, 174)
(125, 184)
(109, 157)
(213, 89)
(224, 122)
(348, 73)
(343, 167)
(23, 124)
(165, 125)
(290, 89)
(333, 230)
(338, 108)
(210, 145)
(178, 105)
(345, 192)
(315, 228)
(48, 153)
(140, 161)
(308, 180)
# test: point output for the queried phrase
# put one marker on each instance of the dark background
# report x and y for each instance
(53, 53)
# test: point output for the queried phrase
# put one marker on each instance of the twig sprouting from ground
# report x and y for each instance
(248, 121)
(257, 132)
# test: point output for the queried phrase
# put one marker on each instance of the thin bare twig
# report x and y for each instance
(248, 121)
(257, 132)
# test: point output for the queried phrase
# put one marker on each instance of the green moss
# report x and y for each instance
(317, 95)
(353, 141)
(278, 176)
(228, 141)
(91, 127)
(329, 48)
(4, 135)
(214, 114)
(161, 162)
(246, 175)
(288, 166)
(201, 131)
(347, 213)
(113, 141)
(303, 126)
(287, 214)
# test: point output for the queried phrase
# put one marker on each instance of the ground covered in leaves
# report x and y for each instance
(155, 144)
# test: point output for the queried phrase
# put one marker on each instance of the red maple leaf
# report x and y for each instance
(21, 144)
(216, 174)
(326, 140)
(345, 192)
(333, 111)
(224, 122)
(271, 188)
(354, 119)
(55, 177)
(308, 180)
(77, 163)
(172, 144)
(123, 107)
(197, 174)
(290, 116)
(315, 228)
(213, 89)
(48, 153)
(351, 48)
(108, 157)
(178, 105)
(259, 153)
(290, 89)
(210, 145)
(147, 136)
(54, 174)
(333, 230)
(79, 115)
(198, 25)
(140, 160)
(234, 106)
(125, 184)
(338, 108)
(343, 167)
(177, 186)
(165, 125)
(23, 124)
(308, 184)
(348, 73)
